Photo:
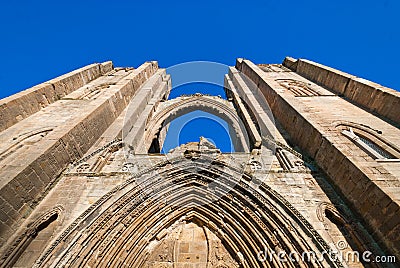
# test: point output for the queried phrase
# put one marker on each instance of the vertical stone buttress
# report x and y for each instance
(45, 128)
(314, 103)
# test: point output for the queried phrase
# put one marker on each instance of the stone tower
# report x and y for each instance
(315, 170)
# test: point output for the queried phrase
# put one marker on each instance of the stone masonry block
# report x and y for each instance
(23, 104)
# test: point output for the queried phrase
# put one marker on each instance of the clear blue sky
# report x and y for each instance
(191, 126)
(43, 39)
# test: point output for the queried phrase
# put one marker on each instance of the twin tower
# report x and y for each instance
(312, 179)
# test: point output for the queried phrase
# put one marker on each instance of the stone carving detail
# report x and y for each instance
(24, 140)
(91, 93)
(298, 88)
(129, 167)
(255, 165)
(105, 157)
(198, 95)
(123, 219)
(290, 162)
(299, 164)
(111, 147)
(276, 68)
(321, 209)
(192, 154)
(283, 159)
(83, 168)
(310, 182)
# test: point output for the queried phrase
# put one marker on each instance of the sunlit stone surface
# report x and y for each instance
(83, 183)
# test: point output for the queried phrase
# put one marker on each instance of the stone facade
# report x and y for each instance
(83, 183)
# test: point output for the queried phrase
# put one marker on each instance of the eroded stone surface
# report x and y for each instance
(79, 188)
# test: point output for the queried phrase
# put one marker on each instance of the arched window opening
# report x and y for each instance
(342, 227)
(34, 242)
(210, 117)
(193, 125)
(338, 221)
(46, 223)
(353, 241)
(363, 140)
(197, 87)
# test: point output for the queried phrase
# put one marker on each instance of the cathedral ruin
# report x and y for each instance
(313, 174)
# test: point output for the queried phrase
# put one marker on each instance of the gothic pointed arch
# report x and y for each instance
(172, 109)
(132, 225)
